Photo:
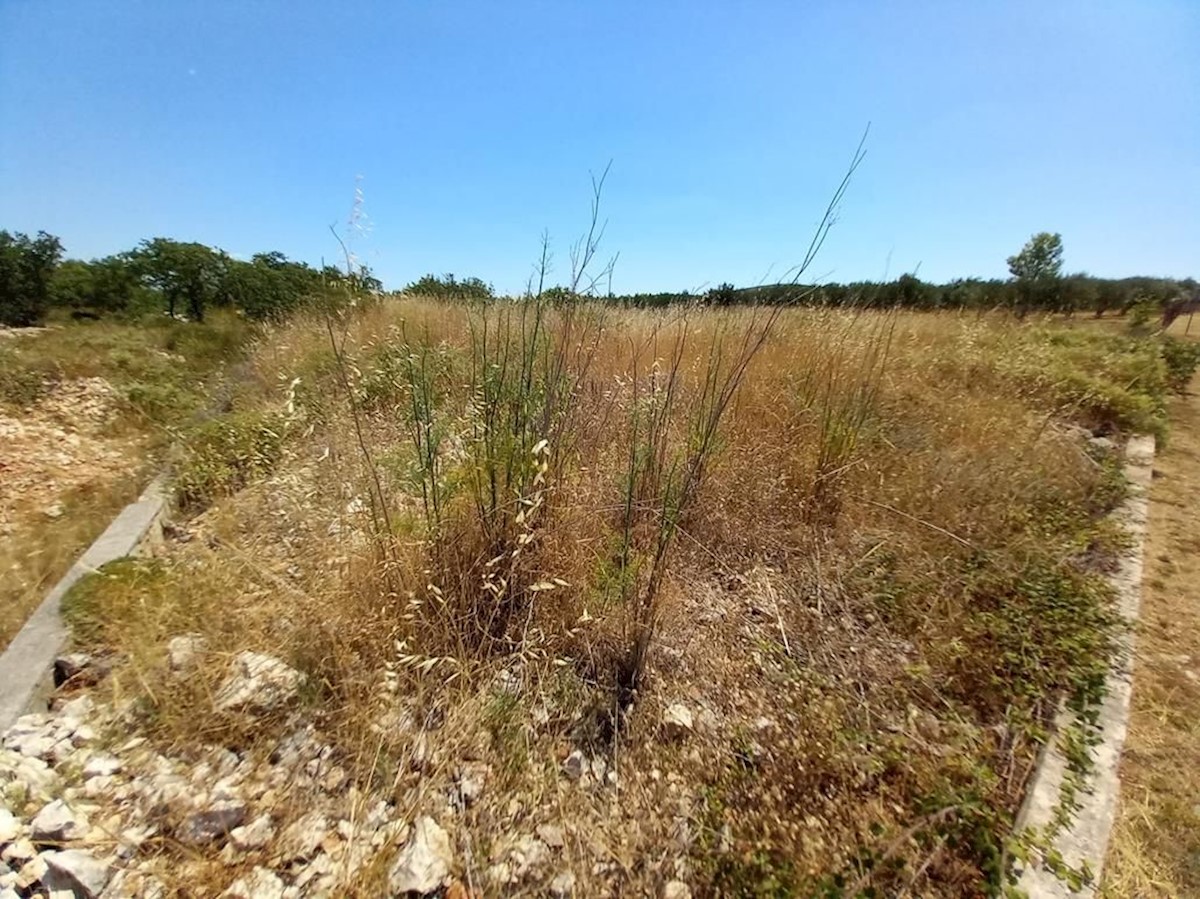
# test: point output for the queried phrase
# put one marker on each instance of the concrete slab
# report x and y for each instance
(27, 664)
(1084, 842)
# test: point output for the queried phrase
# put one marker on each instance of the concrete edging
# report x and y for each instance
(27, 664)
(1084, 841)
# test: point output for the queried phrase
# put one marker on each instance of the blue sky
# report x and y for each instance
(474, 125)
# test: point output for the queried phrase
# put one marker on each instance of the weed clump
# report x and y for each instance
(221, 456)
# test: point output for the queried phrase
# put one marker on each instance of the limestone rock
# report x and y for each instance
(254, 835)
(424, 862)
(528, 855)
(677, 721)
(182, 652)
(58, 823)
(31, 872)
(472, 777)
(75, 870)
(563, 885)
(257, 684)
(101, 766)
(10, 827)
(260, 883)
(303, 836)
(676, 889)
(17, 853)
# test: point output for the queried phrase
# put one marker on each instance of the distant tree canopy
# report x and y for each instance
(1073, 293)
(27, 267)
(448, 287)
(176, 277)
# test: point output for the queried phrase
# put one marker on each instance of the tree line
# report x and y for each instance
(185, 279)
(1037, 284)
(182, 279)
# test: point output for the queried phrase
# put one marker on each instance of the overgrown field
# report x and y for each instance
(85, 410)
(771, 602)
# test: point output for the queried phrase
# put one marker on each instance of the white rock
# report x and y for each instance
(258, 683)
(9, 893)
(424, 862)
(31, 872)
(182, 652)
(34, 746)
(301, 838)
(75, 870)
(76, 710)
(563, 885)
(530, 853)
(676, 889)
(101, 766)
(17, 853)
(258, 884)
(472, 777)
(132, 839)
(10, 827)
(58, 823)
(677, 721)
(254, 835)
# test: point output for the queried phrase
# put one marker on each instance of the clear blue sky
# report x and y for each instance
(474, 125)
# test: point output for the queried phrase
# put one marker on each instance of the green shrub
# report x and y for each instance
(221, 456)
(22, 385)
(1182, 358)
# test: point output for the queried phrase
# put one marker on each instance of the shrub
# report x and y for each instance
(1182, 358)
(221, 456)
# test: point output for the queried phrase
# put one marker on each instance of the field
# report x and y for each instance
(769, 602)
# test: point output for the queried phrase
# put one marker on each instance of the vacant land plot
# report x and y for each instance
(766, 602)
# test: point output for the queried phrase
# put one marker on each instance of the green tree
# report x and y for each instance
(27, 266)
(1037, 271)
(188, 273)
(723, 295)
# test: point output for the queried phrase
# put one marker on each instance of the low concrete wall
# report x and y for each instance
(26, 666)
(1084, 841)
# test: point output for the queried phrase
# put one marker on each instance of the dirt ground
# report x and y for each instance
(1155, 849)
(62, 477)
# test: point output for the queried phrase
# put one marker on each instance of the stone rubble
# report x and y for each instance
(83, 815)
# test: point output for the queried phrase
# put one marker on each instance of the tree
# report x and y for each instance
(27, 265)
(724, 294)
(1037, 271)
(181, 272)
(102, 285)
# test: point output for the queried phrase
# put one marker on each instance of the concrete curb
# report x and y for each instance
(1085, 840)
(26, 666)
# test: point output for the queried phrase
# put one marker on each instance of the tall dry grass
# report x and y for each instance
(863, 528)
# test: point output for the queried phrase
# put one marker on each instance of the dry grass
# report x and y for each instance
(1155, 848)
(85, 409)
(887, 573)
